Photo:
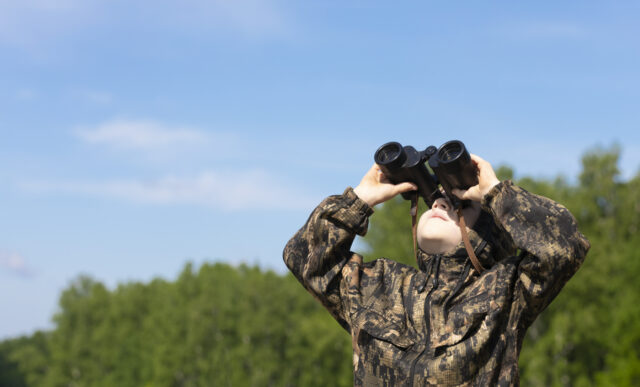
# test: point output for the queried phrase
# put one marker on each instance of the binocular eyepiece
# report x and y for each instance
(451, 166)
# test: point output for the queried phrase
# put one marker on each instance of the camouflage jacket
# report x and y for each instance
(443, 324)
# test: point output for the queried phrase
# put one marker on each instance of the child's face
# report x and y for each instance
(438, 229)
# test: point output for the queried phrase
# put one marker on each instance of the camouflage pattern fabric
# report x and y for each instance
(444, 324)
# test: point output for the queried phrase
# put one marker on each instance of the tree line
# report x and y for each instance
(223, 325)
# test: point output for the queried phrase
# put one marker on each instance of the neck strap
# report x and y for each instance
(467, 243)
(414, 214)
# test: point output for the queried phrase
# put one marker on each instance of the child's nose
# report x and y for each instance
(441, 204)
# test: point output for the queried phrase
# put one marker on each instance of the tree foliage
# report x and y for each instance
(242, 326)
(216, 326)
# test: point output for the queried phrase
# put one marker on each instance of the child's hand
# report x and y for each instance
(375, 188)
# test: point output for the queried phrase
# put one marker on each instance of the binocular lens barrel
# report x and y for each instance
(389, 153)
(390, 156)
(453, 167)
(450, 151)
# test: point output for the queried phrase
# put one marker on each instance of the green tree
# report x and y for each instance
(219, 325)
(229, 326)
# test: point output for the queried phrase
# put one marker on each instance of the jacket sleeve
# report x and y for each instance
(321, 248)
(551, 247)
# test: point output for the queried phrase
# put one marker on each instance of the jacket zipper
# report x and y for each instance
(427, 325)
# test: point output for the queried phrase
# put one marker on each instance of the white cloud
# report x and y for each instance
(546, 30)
(29, 23)
(40, 5)
(229, 191)
(26, 94)
(34, 23)
(250, 16)
(15, 263)
(145, 135)
(96, 97)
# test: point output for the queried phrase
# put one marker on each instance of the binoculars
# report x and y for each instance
(451, 166)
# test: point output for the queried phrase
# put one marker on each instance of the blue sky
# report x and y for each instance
(137, 136)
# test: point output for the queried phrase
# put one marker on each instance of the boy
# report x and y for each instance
(446, 323)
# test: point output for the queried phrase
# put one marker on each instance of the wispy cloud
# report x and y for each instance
(252, 17)
(29, 23)
(229, 191)
(95, 97)
(26, 94)
(15, 264)
(546, 30)
(137, 134)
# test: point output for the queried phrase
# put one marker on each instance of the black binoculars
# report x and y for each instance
(451, 165)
